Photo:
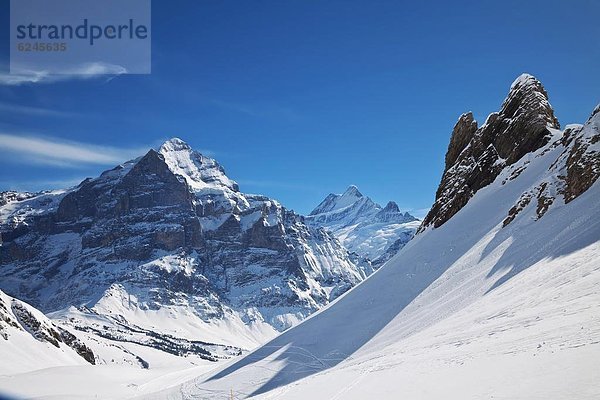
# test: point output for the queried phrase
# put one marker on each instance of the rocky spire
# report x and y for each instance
(463, 132)
(391, 213)
(476, 156)
(522, 124)
(528, 98)
(391, 206)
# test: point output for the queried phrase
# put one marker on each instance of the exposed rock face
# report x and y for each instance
(462, 134)
(525, 125)
(171, 228)
(583, 163)
(363, 226)
(476, 156)
(391, 213)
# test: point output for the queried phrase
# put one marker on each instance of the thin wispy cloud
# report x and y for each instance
(60, 153)
(85, 71)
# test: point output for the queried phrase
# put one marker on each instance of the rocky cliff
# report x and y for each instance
(524, 124)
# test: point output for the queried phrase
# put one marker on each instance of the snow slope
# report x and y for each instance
(477, 308)
(100, 381)
(41, 358)
(30, 341)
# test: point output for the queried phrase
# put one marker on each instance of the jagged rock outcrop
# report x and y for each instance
(524, 126)
(476, 156)
(174, 231)
(363, 226)
(583, 163)
(462, 134)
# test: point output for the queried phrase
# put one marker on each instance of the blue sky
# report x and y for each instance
(297, 99)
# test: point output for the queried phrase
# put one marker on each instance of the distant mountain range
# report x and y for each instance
(169, 233)
(363, 226)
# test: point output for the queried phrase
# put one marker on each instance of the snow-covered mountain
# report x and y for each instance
(165, 251)
(363, 226)
(498, 296)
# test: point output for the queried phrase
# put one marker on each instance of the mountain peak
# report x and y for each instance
(528, 98)
(392, 214)
(391, 206)
(476, 156)
(199, 171)
(352, 191)
(525, 79)
(174, 144)
(352, 197)
(363, 226)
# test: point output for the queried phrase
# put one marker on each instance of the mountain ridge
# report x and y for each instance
(364, 226)
(177, 234)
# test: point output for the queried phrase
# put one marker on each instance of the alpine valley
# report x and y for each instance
(160, 279)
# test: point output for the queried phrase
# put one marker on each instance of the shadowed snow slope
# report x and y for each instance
(477, 308)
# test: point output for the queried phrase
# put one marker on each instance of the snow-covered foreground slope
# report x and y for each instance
(535, 335)
(502, 300)
(40, 358)
(100, 381)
